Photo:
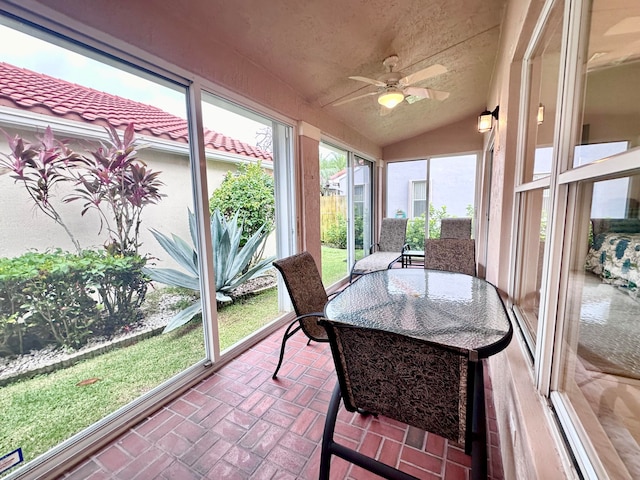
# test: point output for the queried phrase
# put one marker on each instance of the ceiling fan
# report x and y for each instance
(393, 87)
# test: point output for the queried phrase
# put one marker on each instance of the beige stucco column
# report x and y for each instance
(308, 184)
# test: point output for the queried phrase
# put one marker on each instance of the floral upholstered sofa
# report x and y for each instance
(615, 253)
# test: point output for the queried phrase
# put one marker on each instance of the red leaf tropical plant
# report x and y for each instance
(118, 185)
(112, 180)
(40, 167)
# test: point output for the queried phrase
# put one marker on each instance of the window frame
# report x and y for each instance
(414, 199)
(565, 183)
(541, 349)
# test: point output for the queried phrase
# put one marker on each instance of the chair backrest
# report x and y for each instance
(450, 254)
(455, 227)
(416, 382)
(393, 234)
(307, 293)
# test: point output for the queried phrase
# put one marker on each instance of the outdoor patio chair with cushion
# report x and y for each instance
(455, 227)
(413, 381)
(308, 296)
(450, 254)
(393, 234)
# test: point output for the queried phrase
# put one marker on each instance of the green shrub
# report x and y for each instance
(415, 232)
(336, 235)
(62, 298)
(415, 226)
(121, 285)
(435, 217)
(250, 192)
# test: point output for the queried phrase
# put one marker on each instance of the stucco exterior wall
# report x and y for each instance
(24, 227)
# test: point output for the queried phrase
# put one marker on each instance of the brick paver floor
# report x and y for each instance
(240, 424)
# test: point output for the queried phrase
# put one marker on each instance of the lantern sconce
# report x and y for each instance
(485, 120)
(540, 116)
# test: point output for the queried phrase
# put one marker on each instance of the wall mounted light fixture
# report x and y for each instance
(540, 117)
(485, 120)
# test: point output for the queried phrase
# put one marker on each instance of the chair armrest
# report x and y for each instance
(312, 314)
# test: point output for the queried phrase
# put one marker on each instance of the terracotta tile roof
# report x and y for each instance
(339, 174)
(28, 90)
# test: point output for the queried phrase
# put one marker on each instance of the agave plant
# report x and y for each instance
(230, 261)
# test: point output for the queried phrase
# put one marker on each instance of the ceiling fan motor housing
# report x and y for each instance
(391, 78)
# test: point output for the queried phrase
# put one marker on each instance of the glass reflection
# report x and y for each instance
(535, 208)
(601, 356)
(544, 68)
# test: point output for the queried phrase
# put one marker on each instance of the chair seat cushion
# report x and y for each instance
(376, 261)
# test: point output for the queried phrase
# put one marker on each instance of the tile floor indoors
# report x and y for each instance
(241, 424)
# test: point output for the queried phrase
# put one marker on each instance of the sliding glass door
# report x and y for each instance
(82, 239)
(361, 207)
(346, 206)
(426, 191)
(247, 182)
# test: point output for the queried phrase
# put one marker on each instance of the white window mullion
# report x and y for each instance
(351, 254)
(201, 205)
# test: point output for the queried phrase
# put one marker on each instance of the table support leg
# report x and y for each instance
(479, 443)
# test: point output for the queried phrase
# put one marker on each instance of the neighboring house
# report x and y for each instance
(336, 184)
(30, 101)
(452, 181)
(407, 197)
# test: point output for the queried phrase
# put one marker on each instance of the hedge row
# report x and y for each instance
(63, 299)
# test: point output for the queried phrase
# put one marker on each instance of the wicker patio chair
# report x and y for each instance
(308, 296)
(416, 382)
(451, 255)
(393, 235)
(455, 227)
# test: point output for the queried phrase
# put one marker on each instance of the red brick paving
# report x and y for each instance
(241, 424)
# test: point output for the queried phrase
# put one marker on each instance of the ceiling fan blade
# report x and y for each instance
(377, 83)
(426, 93)
(342, 102)
(423, 74)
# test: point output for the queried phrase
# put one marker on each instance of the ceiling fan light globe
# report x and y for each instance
(390, 98)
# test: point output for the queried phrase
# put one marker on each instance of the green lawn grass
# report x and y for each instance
(246, 315)
(43, 411)
(334, 265)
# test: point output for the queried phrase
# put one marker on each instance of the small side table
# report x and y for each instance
(409, 255)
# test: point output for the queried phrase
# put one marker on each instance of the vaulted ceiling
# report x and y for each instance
(314, 46)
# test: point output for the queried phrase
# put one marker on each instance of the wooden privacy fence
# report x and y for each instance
(333, 211)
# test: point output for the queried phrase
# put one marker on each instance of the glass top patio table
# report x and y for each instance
(442, 307)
